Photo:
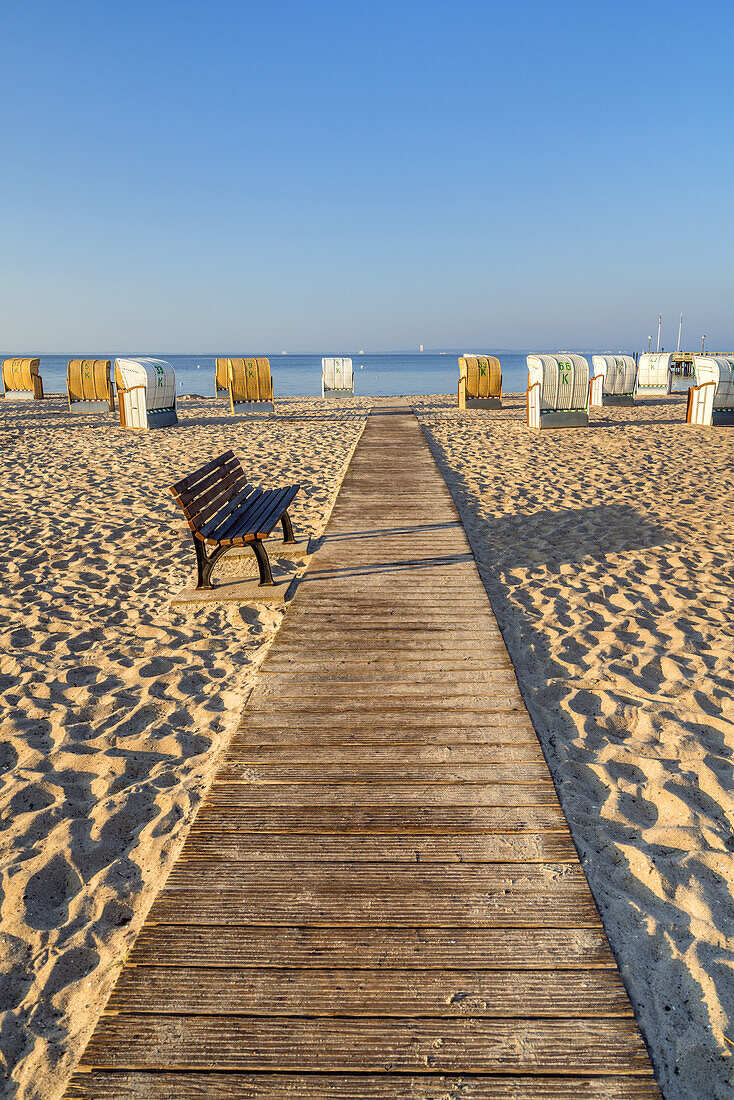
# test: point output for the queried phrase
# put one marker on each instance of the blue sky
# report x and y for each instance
(341, 174)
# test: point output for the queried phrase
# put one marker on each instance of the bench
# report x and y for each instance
(223, 511)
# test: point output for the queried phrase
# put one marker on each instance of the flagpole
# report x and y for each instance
(660, 321)
(680, 326)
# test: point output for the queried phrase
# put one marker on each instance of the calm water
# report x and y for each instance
(300, 375)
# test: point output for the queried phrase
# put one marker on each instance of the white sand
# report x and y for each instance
(113, 707)
(608, 556)
(607, 553)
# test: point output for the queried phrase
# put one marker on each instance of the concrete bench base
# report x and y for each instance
(235, 592)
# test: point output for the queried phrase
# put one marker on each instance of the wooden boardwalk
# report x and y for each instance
(380, 896)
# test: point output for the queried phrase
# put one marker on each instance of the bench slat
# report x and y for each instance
(260, 523)
(191, 479)
(192, 495)
(245, 525)
(225, 492)
(269, 521)
(217, 526)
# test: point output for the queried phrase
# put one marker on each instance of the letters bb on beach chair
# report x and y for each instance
(558, 391)
(613, 381)
(146, 393)
(223, 510)
(654, 374)
(711, 400)
(21, 380)
(337, 377)
(89, 386)
(250, 386)
(480, 382)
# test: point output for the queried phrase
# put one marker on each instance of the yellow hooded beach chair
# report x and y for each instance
(250, 386)
(21, 380)
(89, 386)
(480, 382)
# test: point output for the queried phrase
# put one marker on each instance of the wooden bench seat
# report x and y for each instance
(223, 510)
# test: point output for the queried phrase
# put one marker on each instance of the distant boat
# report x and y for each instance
(284, 353)
(361, 351)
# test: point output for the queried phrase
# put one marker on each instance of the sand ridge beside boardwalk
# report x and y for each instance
(608, 555)
(113, 706)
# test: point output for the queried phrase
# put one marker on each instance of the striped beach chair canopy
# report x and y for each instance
(564, 381)
(619, 373)
(89, 385)
(654, 374)
(337, 375)
(482, 375)
(250, 385)
(22, 380)
(146, 393)
(720, 370)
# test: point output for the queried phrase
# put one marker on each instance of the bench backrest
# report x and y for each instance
(89, 380)
(654, 373)
(21, 375)
(618, 371)
(563, 379)
(720, 370)
(249, 380)
(210, 493)
(337, 374)
(483, 375)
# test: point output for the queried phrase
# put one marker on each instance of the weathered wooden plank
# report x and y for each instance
(225, 845)
(312, 904)
(246, 771)
(382, 878)
(590, 1046)
(417, 820)
(225, 991)
(109, 1085)
(391, 794)
(423, 948)
(243, 752)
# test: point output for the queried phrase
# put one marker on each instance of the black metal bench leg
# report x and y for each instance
(285, 519)
(205, 563)
(263, 562)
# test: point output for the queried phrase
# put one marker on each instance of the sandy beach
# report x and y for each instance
(607, 554)
(115, 706)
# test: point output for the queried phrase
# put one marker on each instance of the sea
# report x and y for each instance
(375, 375)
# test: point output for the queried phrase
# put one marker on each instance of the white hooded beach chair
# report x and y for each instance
(337, 378)
(146, 393)
(21, 380)
(613, 381)
(558, 391)
(654, 374)
(89, 386)
(711, 400)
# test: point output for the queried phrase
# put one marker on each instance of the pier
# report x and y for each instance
(379, 896)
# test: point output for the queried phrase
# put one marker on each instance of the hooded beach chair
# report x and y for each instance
(221, 383)
(654, 374)
(21, 380)
(711, 400)
(480, 382)
(250, 386)
(337, 378)
(613, 382)
(146, 393)
(89, 386)
(558, 391)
